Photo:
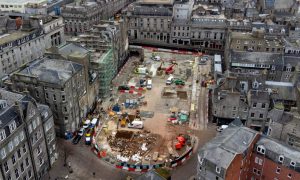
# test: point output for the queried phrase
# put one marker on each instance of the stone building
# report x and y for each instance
(259, 102)
(149, 23)
(76, 53)
(108, 43)
(255, 53)
(80, 16)
(24, 144)
(59, 84)
(19, 46)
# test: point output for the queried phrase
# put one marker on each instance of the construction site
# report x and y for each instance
(149, 119)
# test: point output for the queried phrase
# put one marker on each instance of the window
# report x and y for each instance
(263, 105)
(65, 109)
(254, 170)
(29, 174)
(278, 170)
(260, 149)
(10, 146)
(37, 94)
(2, 135)
(252, 115)
(54, 97)
(261, 116)
(218, 170)
(27, 162)
(24, 148)
(63, 97)
(22, 136)
(41, 160)
(13, 159)
(17, 173)
(22, 167)
(12, 126)
(19, 153)
(293, 163)
(289, 175)
(281, 158)
(38, 149)
(254, 105)
(3, 153)
(5, 166)
(16, 140)
(234, 108)
(47, 96)
(258, 172)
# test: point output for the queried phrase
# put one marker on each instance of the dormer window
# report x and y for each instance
(293, 163)
(261, 149)
(218, 170)
(280, 159)
(12, 126)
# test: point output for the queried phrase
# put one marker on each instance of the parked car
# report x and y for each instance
(76, 139)
(86, 124)
(123, 87)
(88, 140)
(81, 132)
(89, 132)
(221, 128)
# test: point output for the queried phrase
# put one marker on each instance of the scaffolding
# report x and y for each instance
(107, 67)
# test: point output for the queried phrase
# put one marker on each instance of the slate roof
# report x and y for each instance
(256, 57)
(226, 145)
(275, 148)
(51, 70)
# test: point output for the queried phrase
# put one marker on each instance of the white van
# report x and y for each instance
(136, 124)
(169, 80)
(86, 123)
(94, 122)
(149, 84)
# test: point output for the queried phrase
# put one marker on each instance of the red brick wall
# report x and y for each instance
(268, 170)
(239, 167)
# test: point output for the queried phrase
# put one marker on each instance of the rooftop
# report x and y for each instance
(72, 49)
(226, 145)
(9, 37)
(51, 70)
(289, 153)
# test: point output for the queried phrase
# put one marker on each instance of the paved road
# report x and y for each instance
(83, 162)
(203, 97)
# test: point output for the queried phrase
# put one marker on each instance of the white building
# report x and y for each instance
(17, 5)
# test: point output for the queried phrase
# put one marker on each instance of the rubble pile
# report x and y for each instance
(132, 145)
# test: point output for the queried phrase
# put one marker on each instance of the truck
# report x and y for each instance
(149, 84)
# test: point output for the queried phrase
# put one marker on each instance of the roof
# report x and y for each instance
(282, 90)
(256, 57)
(9, 37)
(259, 95)
(272, 145)
(226, 145)
(72, 49)
(51, 70)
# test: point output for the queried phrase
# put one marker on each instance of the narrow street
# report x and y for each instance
(204, 70)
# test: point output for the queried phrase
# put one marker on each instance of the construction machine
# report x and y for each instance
(170, 69)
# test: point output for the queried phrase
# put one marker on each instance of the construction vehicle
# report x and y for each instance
(170, 69)
(178, 82)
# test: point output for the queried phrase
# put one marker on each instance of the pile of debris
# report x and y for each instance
(132, 145)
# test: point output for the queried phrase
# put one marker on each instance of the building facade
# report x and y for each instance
(80, 16)
(24, 150)
(59, 84)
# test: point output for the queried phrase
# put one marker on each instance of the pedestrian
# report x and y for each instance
(94, 174)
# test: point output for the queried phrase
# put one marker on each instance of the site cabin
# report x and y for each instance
(136, 124)
(149, 84)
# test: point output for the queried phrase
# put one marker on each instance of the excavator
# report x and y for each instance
(170, 69)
